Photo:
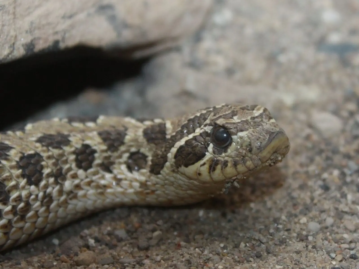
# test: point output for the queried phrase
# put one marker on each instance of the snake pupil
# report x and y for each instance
(221, 137)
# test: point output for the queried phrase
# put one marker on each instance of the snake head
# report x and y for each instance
(231, 143)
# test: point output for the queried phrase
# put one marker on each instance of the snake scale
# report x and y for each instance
(56, 171)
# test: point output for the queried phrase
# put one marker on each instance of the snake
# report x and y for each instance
(56, 171)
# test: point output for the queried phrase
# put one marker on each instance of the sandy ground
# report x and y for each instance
(298, 58)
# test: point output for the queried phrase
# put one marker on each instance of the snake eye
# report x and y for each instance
(221, 137)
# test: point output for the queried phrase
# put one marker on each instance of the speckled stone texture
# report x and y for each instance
(29, 27)
(300, 59)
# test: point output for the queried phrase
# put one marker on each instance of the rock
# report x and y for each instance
(156, 237)
(331, 16)
(72, 245)
(326, 123)
(143, 243)
(349, 225)
(127, 260)
(216, 259)
(85, 258)
(339, 258)
(313, 227)
(121, 235)
(110, 24)
(329, 221)
(104, 259)
(48, 264)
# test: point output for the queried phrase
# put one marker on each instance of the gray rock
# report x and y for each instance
(108, 24)
(104, 259)
(313, 227)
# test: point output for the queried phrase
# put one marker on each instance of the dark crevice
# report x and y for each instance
(30, 84)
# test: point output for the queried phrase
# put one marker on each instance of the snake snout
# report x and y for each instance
(276, 144)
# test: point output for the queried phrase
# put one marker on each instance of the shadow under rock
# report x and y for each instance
(30, 84)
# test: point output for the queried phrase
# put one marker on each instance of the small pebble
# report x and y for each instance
(313, 227)
(143, 243)
(105, 259)
(349, 225)
(326, 123)
(258, 254)
(223, 17)
(121, 235)
(71, 246)
(48, 264)
(64, 259)
(91, 242)
(329, 221)
(63, 266)
(353, 256)
(216, 259)
(352, 166)
(330, 16)
(339, 258)
(156, 237)
(85, 258)
(127, 260)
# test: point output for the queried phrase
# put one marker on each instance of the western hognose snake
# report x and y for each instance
(53, 172)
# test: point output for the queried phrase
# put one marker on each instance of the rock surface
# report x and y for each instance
(28, 27)
(297, 58)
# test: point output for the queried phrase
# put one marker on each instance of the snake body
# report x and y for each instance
(54, 172)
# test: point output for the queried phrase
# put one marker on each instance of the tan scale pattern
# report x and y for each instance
(54, 172)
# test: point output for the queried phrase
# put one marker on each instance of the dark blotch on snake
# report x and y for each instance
(159, 158)
(191, 152)
(31, 167)
(85, 156)
(56, 141)
(113, 139)
(155, 133)
(136, 161)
